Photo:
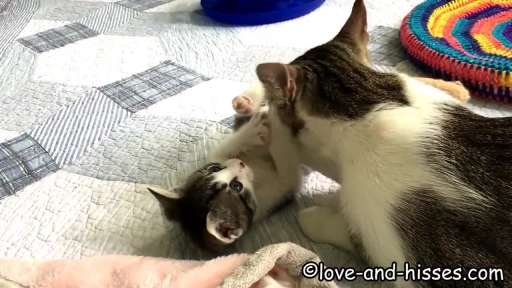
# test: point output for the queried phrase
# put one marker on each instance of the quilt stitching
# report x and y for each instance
(69, 133)
(109, 17)
(142, 5)
(384, 47)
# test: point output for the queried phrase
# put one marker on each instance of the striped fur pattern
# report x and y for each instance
(424, 180)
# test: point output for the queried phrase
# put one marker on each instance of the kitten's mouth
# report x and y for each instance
(229, 232)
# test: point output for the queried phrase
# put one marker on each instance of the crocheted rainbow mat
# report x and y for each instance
(465, 40)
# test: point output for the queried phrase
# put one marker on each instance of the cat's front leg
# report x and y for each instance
(256, 132)
(252, 134)
(284, 152)
(325, 225)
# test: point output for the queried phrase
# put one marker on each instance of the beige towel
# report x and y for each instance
(272, 266)
(288, 256)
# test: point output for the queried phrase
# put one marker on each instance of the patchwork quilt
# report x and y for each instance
(99, 98)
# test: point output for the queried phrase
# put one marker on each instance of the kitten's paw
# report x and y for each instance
(263, 128)
(258, 130)
(325, 225)
(243, 105)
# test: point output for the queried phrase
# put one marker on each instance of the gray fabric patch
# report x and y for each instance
(142, 5)
(57, 37)
(144, 89)
(22, 162)
(228, 122)
(384, 47)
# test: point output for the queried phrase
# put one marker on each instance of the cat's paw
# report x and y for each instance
(262, 128)
(311, 222)
(460, 92)
(243, 105)
(325, 225)
(258, 130)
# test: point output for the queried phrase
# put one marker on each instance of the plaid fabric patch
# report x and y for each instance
(57, 37)
(384, 47)
(228, 122)
(22, 162)
(144, 89)
(142, 5)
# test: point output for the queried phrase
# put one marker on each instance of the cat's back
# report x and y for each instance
(480, 150)
(450, 137)
(469, 193)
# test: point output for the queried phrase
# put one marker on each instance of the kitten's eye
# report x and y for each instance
(214, 169)
(236, 186)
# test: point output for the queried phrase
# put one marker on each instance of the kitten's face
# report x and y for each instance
(215, 206)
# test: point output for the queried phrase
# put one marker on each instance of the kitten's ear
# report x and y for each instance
(278, 75)
(169, 199)
(356, 27)
(224, 230)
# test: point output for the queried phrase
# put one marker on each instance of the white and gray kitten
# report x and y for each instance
(240, 184)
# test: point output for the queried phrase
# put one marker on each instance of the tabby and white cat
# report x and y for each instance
(240, 184)
(424, 179)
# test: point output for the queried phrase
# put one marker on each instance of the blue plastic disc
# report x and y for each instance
(257, 12)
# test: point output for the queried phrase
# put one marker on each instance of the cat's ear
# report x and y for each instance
(223, 229)
(356, 26)
(281, 76)
(169, 199)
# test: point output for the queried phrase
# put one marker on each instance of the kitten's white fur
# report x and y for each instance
(376, 159)
(269, 184)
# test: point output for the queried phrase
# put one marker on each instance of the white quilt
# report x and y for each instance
(99, 98)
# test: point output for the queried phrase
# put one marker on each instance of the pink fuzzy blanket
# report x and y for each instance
(273, 266)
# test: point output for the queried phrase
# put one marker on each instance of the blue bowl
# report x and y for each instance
(257, 12)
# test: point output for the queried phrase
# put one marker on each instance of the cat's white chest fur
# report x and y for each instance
(376, 159)
(368, 190)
